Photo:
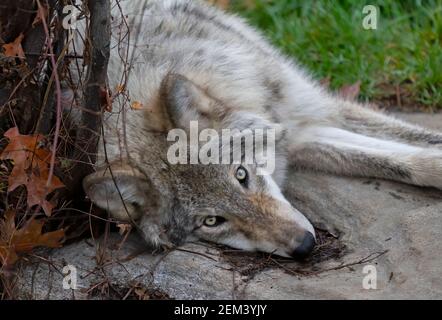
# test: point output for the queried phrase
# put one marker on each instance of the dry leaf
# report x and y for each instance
(142, 293)
(7, 228)
(351, 92)
(14, 242)
(14, 49)
(106, 99)
(136, 105)
(119, 89)
(124, 228)
(31, 168)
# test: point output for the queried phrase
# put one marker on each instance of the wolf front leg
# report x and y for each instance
(340, 151)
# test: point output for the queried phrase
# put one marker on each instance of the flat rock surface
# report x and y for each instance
(386, 229)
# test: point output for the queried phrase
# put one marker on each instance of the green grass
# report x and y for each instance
(403, 55)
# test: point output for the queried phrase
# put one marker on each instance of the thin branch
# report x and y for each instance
(371, 257)
(58, 94)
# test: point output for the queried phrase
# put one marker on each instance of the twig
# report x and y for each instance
(141, 277)
(369, 258)
(66, 56)
(58, 94)
(288, 270)
(398, 96)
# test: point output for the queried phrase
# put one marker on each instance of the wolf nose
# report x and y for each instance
(305, 247)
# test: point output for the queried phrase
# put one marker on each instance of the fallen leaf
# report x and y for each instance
(106, 99)
(25, 239)
(119, 89)
(7, 228)
(142, 293)
(31, 168)
(136, 105)
(14, 49)
(350, 92)
(124, 228)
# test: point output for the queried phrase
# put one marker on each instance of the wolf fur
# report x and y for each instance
(185, 60)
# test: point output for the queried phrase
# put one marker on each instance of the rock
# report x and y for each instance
(431, 121)
(389, 227)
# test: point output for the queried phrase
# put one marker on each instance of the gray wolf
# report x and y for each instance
(186, 60)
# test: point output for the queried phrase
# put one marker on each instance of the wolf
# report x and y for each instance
(188, 61)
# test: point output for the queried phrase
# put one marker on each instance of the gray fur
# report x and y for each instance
(190, 61)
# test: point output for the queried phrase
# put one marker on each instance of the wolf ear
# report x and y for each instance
(184, 101)
(108, 191)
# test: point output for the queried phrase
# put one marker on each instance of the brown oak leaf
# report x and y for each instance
(15, 241)
(14, 49)
(31, 168)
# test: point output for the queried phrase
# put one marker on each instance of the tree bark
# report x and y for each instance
(95, 88)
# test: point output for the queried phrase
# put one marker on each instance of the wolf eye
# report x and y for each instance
(241, 175)
(213, 221)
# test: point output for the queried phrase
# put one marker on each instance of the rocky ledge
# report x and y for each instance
(378, 239)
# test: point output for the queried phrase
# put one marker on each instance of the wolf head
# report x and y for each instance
(234, 204)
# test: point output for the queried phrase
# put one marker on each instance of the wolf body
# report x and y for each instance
(184, 60)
